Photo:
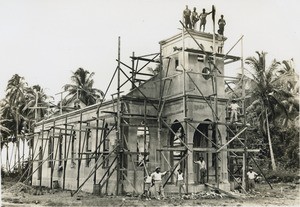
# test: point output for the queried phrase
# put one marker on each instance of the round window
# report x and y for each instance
(206, 73)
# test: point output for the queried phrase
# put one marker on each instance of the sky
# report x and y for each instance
(45, 40)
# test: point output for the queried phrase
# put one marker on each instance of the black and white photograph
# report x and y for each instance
(149, 103)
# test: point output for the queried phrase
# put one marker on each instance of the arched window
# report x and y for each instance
(143, 138)
(175, 141)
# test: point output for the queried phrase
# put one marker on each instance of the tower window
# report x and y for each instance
(176, 63)
(206, 73)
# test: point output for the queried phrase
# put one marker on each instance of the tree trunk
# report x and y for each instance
(7, 159)
(270, 142)
(18, 145)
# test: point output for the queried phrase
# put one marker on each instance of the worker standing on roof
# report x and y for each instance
(221, 24)
(202, 17)
(195, 18)
(187, 17)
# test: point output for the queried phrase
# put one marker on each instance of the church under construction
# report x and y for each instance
(167, 119)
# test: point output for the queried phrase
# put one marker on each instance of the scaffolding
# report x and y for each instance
(60, 137)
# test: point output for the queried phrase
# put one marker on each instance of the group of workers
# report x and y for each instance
(191, 19)
(155, 179)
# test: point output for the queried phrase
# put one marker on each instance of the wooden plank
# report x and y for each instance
(139, 117)
(172, 149)
(138, 125)
(109, 112)
(204, 149)
(241, 150)
(94, 127)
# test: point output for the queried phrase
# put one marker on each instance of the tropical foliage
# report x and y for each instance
(82, 88)
(16, 112)
(272, 108)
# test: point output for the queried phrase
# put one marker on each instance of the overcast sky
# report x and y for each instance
(44, 40)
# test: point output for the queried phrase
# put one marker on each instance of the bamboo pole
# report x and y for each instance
(52, 164)
(118, 133)
(96, 145)
(79, 147)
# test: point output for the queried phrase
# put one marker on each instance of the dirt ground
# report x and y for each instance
(19, 194)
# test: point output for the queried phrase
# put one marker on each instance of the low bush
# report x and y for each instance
(282, 176)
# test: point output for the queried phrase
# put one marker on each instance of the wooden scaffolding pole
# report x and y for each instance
(118, 132)
(79, 152)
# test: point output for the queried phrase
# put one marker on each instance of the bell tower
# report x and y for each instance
(193, 92)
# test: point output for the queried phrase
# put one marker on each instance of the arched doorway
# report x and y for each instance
(175, 141)
(203, 140)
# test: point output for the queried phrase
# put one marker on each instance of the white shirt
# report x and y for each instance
(148, 179)
(157, 176)
(180, 176)
(234, 106)
(202, 164)
(251, 175)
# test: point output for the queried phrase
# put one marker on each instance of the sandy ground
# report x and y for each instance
(282, 194)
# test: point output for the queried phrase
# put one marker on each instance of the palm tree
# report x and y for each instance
(35, 97)
(267, 96)
(15, 100)
(82, 88)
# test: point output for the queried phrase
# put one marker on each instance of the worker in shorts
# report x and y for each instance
(148, 185)
(180, 182)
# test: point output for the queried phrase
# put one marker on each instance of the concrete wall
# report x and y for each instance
(71, 169)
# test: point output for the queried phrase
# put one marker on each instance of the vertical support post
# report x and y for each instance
(120, 147)
(65, 153)
(145, 140)
(185, 109)
(159, 128)
(133, 71)
(96, 148)
(245, 155)
(43, 127)
(51, 157)
(216, 101)
(79, 151)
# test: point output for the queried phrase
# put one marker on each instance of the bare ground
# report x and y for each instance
(18, 194)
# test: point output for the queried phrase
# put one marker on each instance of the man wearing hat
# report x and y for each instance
(157, 179)
(251, 179)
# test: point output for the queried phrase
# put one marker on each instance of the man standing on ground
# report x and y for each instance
(202, 169)
(180, 182)
(251, 179)
(157, 179)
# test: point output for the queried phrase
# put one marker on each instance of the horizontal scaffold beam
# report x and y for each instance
(145, 59)
(138, 125)
(207, 149)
